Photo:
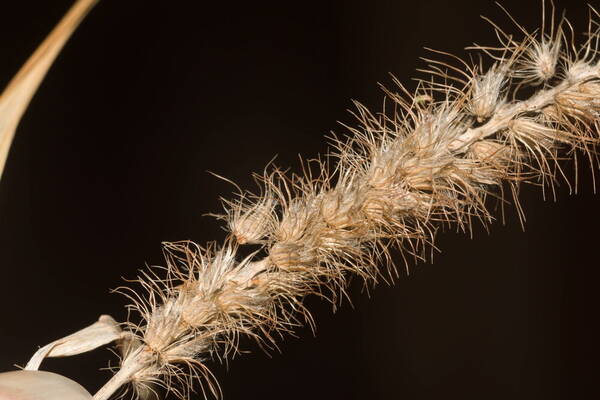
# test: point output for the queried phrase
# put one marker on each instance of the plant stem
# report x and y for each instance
(133, 364)
(508, 112)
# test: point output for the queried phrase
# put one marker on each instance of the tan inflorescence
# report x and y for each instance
(431, 158)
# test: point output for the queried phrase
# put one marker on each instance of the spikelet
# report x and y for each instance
(434, 158)
(251, 222)
(487, 92)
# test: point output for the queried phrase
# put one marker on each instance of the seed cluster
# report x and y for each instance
(431, 158)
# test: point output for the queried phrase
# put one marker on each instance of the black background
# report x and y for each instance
(111, 159)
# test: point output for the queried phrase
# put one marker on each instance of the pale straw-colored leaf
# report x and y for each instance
(102, 332)
(17, 95)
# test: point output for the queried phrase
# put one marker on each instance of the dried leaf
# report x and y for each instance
(104, 331)
(17, 95)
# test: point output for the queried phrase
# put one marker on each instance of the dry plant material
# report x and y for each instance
(17, 95)
(101, 332)
(438, 156)
(39, 385)
(431, 158)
